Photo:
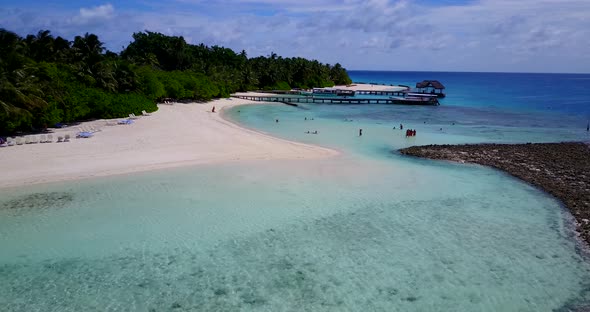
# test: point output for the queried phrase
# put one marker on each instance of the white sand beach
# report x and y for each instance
(175, 135)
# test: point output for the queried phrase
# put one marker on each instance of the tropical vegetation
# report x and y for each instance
(45, 80)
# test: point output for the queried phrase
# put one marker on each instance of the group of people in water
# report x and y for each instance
(409, 132)
(309, 132)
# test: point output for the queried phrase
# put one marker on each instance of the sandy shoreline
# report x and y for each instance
(175, 135)
(560, 169)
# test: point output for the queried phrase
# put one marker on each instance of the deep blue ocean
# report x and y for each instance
(560, 94)
(555, 93)
(501, 103)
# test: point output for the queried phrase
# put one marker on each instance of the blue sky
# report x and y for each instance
(446, 35)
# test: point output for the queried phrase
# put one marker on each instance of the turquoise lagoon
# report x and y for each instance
(367, 230)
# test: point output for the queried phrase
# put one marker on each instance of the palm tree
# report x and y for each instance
(41, 47)
(20, 94)
(19, 90)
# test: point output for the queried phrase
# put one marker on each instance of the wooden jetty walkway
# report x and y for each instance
(358, 92)
(337, 100)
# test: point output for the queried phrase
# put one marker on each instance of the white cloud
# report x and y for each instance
(101, 11)
(94, 15)
(499, 35)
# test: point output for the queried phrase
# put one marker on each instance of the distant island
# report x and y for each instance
(45, 80)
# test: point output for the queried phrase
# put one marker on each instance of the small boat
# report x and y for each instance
(416, 99)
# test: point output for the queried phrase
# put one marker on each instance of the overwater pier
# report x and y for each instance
(337, 100)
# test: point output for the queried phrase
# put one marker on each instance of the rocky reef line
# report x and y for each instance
(560, 169)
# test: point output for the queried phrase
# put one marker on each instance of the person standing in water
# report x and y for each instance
(360, 132)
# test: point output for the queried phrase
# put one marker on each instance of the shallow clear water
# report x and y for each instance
(369, 229)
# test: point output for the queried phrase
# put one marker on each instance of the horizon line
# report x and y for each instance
(472, 72)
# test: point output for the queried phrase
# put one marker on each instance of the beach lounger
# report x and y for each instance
(11, 141)
(132, 116)
(27, 140)
(60, 139)
(125, 122)
(20, 141)
(42, 138)
(67, 138)
(84, 134)
(49, 138)
(34, 139)
(144, 113)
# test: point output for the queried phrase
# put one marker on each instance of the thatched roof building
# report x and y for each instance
(431, 87)
(435, 84)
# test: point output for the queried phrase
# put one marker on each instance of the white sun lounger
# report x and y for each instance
(49, 138)
(144, 113)
(42, 138)
(60, 139)
(132, 116)
(67, 138)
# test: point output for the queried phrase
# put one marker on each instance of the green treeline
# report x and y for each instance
(46, 80)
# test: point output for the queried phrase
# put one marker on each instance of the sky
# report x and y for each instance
(447, 35)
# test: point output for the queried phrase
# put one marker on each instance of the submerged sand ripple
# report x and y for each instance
(561, 169)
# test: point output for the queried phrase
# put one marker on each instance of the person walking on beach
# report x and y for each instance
(360, 132)
(213, 110)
